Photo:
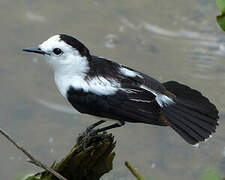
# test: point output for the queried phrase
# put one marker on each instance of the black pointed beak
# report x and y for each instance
(35, 50)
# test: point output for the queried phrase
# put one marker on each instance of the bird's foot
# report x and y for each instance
(90, 132)
(92, 126)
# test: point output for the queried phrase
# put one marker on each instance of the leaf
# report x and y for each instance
(221, 18)
(210, 175)
(221, 5)
(221, 21)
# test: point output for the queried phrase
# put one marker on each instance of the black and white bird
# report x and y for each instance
(100, 87)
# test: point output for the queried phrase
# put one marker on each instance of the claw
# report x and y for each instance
(89, 132)
(89, 129)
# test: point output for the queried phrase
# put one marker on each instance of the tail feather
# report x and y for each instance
(200, 110)
(194, 112)
(196, 131)
(195, 121)
(188, 138)
(191, 115)
(197, 127)
(184, 127)
(192, 98)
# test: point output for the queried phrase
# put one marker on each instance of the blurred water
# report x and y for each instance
(177, 40)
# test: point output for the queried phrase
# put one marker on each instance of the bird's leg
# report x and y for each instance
(92, 132)
(115, 125)
(89, 131)
(92, 126)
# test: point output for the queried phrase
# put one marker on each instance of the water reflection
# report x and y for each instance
(183, 44)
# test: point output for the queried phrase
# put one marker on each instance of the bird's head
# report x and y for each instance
(63, 52)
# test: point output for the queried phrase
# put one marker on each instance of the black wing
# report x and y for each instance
(130, 102)
(139, 106)
(111, 70)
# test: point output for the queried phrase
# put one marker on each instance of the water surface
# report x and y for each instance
(177, 40)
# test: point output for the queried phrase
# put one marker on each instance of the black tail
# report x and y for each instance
(192, 115)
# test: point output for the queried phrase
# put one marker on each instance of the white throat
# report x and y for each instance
(71, 74)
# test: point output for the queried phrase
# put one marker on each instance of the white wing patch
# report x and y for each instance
(133, 91)
(129, 73)
(161, 99)
(103, 86)
(141, 100)
(196, 145)
(98, 85)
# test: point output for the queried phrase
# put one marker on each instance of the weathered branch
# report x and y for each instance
(80, 164)
(89, 163)
(31, 158)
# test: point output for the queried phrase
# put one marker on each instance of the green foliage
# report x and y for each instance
(30, 177)
(221, 18)
(221, 21)
(209, 175)
(221, 5)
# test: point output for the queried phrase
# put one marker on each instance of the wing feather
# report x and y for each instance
(130, 102)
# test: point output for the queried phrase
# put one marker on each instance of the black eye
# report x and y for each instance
(57, 51)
